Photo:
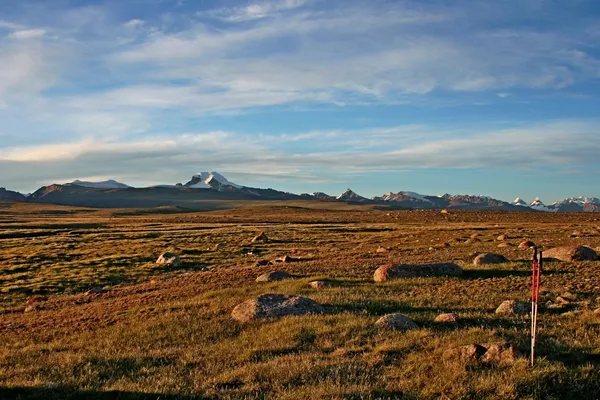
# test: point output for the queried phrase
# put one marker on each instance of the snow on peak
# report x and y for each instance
(416, 196)
(206, 180)
(537, 202)
(519, 202)
(108, 184)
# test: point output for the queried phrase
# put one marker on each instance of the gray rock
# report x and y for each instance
(396, 321)
(170, 259)
(512, 307)
(275, 306)
(273, 276)
(466, 354)
(389, 271)
(571, 253)
(261, 237)
(448, 318)
(502, 354)
(489, 258)
(320, 284)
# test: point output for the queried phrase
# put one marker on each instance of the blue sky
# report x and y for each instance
(483, 97)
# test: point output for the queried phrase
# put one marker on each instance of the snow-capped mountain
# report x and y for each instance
(349, 195)
(111, 193)
(404, 196)
(539, 205)
(318, 196)
(109, 184)
(519, 202)
(210, 180)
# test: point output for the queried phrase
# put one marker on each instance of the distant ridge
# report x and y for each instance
(214, 186)
(109, 184)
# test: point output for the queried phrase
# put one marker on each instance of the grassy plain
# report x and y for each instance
(166, 333)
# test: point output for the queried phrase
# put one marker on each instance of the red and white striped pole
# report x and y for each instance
(535, 297)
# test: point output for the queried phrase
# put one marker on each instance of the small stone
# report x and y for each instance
(287, 259)
(170, 259)
(526, 244)
(31, 308)
(36, 299)
(273, 276)
(448, 318)
(597, 311)
(503, 237)
(569, 296)
(382, 249)
(260, 237)
(396, 321)
(93, 291)
(320, 284)
(512, 307)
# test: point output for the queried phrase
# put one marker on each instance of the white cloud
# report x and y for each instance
(28, 34)
(549, 145)
(256, 10)
(133, 23)
(10, 25)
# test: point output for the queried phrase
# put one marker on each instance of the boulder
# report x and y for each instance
(489, 258)
(502, 354)
(260, 237)
(389, 271)
(571, 253)
(273, 276)
(526, 244)
(512, 307)
(468, 353)
(447, 318)
(395, 321)
(170, 259)
(320, 284)
(275, 306)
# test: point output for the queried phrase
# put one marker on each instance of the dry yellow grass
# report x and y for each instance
(159, 332)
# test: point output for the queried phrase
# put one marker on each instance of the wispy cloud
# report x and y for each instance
(108, 88)
(28, 34)
(566, 143)
(255, 11)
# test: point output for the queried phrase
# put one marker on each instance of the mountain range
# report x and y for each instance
(213, 186)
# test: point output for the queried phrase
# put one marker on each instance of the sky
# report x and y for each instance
(499, 98)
